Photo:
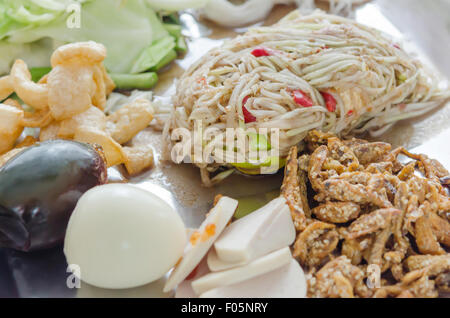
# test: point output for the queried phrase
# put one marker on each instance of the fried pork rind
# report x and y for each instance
(78, 79)
(80, 52)
(68, 103)
(10, 126)
(13, 102)
(49, 132)
(91, 118)
(127, 121)
(71, 88)
(138, 158)
(33, 94)
(370, 211)
(26, 142)
(38, 119)
(6, 87)
(113, 151)
(104, 84)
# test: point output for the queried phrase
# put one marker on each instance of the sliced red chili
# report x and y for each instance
(301, 98)
(261, 51)
(202, 80)
(248, 117)
(324, 47)
(350, 112)
(330, 102)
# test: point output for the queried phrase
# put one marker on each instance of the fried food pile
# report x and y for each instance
(68, 103)
(368, 225)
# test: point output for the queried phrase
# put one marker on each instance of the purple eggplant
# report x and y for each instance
(39, 189)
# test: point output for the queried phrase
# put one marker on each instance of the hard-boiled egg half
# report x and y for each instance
(122, 236)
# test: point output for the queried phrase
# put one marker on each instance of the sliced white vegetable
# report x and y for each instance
(176, 5)
(288, 281)
(215, 264)
(225, 13)
(236, 275)
(184, 289)
(121, 236)
(258, 233)
(217, 219)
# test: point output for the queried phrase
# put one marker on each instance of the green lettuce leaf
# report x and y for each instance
(128, 29)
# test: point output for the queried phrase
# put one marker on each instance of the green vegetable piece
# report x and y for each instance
(252, 203)
(38, 72)
(181, 45)
(153, 55)
(255, 169)
(173, 29)
(401, 78)
(172, 55)
(258, 142)
(249, 165)
(137, 81)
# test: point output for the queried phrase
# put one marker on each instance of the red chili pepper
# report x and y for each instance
(324, 47)
(350, 112)
(260, 51)
(202, 80)
(301, 98)
(330, 102)
(248, 117)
